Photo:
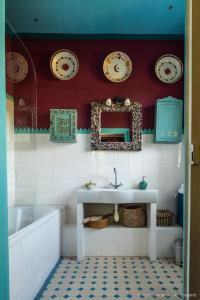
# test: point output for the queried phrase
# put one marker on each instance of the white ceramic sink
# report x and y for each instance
(117, 196)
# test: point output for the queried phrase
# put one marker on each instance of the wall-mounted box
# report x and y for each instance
(168, 120)
(63, 125)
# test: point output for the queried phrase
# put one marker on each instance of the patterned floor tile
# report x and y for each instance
(114, 278)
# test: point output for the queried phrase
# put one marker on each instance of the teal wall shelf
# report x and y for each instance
(168, 120)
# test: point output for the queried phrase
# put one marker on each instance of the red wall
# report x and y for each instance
(90, 83)
(8, 43)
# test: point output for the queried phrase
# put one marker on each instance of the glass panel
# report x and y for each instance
(21, 87)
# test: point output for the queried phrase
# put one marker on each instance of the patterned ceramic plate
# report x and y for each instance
(16, 67)
(169, 68)
(64, 64)
(117, 66)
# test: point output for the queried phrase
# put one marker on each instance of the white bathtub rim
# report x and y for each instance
(21, 234)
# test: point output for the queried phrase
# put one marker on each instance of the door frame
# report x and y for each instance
(4, 268)
(187, 140)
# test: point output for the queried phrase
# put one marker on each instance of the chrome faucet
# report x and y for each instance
(116, 185)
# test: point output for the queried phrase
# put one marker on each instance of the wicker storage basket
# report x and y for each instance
(134, 216)
(99, 224)
(164, 217)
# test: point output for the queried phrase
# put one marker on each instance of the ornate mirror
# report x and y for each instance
(107, 137)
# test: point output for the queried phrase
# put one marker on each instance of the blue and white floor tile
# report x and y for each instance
(112, 278)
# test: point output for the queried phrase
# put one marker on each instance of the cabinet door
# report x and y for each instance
(168, 123)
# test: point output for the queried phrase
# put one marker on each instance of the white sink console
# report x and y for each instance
(118, 196)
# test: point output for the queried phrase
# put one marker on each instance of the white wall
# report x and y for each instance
(10, 152)
(119, 241)
(52, 173)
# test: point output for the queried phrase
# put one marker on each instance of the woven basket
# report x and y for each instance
(134, 216)
(99, 224)
(164, 217)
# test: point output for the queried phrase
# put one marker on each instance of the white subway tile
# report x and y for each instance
(45, 170)
(67, 170)
(68, 235)
(68, 250)
(136, 172)
(93, 242)
(124, 250)
(61, 169)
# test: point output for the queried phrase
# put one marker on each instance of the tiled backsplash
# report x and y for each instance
(50, 173)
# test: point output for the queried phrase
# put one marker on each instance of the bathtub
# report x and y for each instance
(34, 247)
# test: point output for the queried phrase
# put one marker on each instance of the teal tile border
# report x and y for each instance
(47, 281)
(148, 131)
(84, 130)
(4, 269)
(27, 130)
(79, 131)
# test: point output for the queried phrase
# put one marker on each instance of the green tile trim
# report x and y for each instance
(84, 130)
(79, 131)
(9, 97)
(41, 130)
(23, 130)
(148, 131)
(27, 130)
(4, 269)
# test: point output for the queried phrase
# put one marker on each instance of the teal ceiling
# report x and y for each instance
(97, 16)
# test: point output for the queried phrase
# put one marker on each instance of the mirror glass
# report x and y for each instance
(116, 127)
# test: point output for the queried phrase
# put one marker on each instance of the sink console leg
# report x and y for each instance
(80, 233)
(151, 222)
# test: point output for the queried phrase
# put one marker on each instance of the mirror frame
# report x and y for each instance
(135, 108)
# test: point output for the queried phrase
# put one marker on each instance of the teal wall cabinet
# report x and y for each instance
(168, 120)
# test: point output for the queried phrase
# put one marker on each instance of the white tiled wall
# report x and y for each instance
(50, 173)
(120, 241)
(10, 153)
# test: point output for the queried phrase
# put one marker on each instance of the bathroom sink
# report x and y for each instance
(117, 196)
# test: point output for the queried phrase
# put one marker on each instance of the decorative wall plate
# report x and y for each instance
(16, 67)
(117, 66)
(64, 64)
(169, 68)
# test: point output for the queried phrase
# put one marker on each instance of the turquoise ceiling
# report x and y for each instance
(97, 16)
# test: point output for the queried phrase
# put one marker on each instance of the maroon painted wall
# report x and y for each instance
(90, 83)
(8, 44)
